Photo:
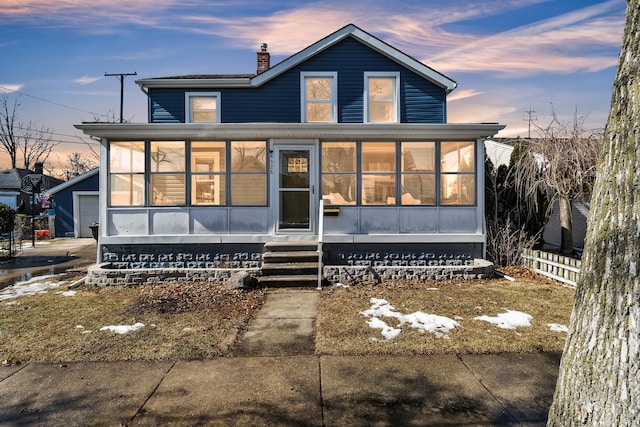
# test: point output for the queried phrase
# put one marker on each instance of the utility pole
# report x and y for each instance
(530, 112)
(122, 76)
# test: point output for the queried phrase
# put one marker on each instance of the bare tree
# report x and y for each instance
(29, 141)
(78, 164)
(599, 381)
(570, 154)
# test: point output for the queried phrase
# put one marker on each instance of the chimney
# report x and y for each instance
(264, 61)
(38, 168)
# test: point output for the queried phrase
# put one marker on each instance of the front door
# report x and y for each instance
(296, 187)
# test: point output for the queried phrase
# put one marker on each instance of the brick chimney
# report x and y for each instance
(264, 61)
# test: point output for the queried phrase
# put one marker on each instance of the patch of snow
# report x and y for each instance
(123, 329)
(30, 287)
(187, 329)
(556, 327)
(69, 293)
(432, 289)
(79, 327)
(510, 320)
(341, 285)
(437, 325)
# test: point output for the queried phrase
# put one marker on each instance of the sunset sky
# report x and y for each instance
(508, 56)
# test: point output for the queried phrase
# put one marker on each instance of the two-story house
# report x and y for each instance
(229, 163)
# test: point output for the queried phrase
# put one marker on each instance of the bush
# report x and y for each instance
(7, 219)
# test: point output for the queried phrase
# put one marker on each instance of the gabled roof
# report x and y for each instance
(11, 179)
(74, 181)
(319, 46)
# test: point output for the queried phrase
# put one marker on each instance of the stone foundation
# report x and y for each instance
(107, 275)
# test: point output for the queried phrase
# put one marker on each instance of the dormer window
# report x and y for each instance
(203, 107)
(319, 99)
(382, 97)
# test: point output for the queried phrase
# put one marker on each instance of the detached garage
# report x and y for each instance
(76, 205)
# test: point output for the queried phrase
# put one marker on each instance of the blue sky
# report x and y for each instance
(506, 55)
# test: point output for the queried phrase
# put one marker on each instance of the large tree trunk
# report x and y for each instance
(566, 226)
(599, 381)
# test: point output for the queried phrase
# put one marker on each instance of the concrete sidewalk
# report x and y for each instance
(274, 378)
(504, 389)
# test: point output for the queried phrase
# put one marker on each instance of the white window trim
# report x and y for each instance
(396, 94)
(187, 104)
(334, 94)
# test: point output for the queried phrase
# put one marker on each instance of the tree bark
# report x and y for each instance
(599, 381)
(566, 226)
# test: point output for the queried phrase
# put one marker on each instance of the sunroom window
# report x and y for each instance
(208, 167)
(248, 173)
(126, 173)
(382, 100)
(378, 173)
(339, 173)
(167, 173)
(457, 173)
(319, 97)
(202, 107)
(418, 173)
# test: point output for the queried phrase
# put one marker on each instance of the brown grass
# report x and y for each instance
(180, 323)
(342, 329)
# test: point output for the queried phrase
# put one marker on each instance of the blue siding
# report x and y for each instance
(278, 100)
(63, 204)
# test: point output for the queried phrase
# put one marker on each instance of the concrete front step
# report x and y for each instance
(290, 246)
(270, 269)
(290, 256)
(289, 280)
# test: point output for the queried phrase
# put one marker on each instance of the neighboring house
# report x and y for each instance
(76, 205)
(16, 192)
(499, 151)
(227, 163)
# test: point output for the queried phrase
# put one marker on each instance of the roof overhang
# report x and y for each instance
(289, 130)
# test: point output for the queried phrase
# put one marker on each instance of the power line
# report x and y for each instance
(52, 102)
(64, 141)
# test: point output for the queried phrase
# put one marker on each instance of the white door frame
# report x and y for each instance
(314, 188)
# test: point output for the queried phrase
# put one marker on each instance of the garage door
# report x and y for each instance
(87, 214)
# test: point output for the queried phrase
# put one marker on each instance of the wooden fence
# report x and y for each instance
(557, 267)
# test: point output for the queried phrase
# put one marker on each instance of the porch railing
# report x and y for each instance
(562, 268)
(320, 238)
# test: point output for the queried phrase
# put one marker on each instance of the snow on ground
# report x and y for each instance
(437, 325)
(123, 329)
(32, 286)
(556, 327)
(68, 293)
(510, 320)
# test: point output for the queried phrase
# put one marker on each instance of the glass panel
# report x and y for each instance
(418, 189)
(208, 156)
(167, 189)
(378, 189)
(208, 190)
(248, 156)
(378, 156)
(294, 209)
(457, 156)
(338, 157)
(457, 189)
(381, 99)
(202, 103)
(294, 169)
(319, 112)
(418, 156)
(249, 189)
(126, 156)
(339, 189)
(318, 89)
(127, 190)
(167, 156)
(204, 109)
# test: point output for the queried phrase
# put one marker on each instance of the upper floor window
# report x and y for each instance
(202, 107)
(319, 97)
(382, 97)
